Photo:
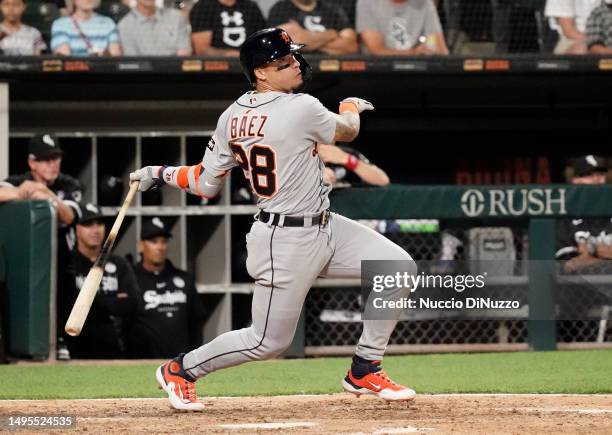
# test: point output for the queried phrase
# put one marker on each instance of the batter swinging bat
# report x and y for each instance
(94, 277)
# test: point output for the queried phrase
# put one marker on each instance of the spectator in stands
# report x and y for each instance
(265, 6)
(150, 31)
(345, 166)
(17, 39)
(169, 310)
(46, 182)
(115, 303)
(599, 29)
(85, 33)
(400, 27)
(568, 18)
(221, 26)
(324, 27)
(586, 243)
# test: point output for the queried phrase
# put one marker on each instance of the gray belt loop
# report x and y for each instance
(307, 221)
(281, 220)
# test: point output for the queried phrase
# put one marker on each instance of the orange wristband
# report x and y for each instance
(348, 107)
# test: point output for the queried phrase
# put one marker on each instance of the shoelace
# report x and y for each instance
(190, 392)
(381, 374)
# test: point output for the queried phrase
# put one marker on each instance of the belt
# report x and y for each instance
(293, 221)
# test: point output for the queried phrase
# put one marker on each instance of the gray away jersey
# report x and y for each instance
(272, 136)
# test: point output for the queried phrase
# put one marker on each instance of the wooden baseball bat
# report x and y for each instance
(94, 277)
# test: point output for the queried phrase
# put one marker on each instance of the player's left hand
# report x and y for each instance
(148, 176)
(360, 103)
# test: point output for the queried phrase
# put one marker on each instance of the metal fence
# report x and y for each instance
(581, 301)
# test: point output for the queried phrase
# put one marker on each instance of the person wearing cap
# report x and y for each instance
(45, 181)
(170, 313)
(115, 303)
(585, 243)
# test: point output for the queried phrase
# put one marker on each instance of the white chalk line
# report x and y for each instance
(405, 429)
(339, 395)
(269, 426)
(592, 411)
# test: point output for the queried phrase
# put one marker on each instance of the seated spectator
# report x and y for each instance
(265, 6)
(85, 33)
(599, 29)
(17, 39)
(586, 243)
(400, 27)
(568, 18)
(103, 335)
(149, 31)
(324, 27)
(169, 315)
(221, 26)
(345, 166)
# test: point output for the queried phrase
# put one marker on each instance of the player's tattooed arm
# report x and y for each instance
(348, 122)
(347, 126)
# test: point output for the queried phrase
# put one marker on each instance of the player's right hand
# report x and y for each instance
(148, 177)
(360, 103)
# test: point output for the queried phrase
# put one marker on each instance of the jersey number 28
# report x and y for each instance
(260, 165)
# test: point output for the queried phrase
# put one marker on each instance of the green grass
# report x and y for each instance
(520, 372)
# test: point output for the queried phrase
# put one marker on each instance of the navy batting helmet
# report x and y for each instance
(267, 45)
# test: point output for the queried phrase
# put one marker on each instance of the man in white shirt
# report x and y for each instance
(568, 18)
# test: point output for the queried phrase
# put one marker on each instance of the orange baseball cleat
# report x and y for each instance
(379, 384)
(181, 392)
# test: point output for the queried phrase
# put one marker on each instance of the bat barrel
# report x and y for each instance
(81, 307)
(84, 300)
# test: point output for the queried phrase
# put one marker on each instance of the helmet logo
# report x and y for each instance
(285, 37)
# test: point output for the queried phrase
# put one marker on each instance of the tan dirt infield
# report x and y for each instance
(330, 414)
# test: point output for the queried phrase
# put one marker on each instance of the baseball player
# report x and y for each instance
(272, 133)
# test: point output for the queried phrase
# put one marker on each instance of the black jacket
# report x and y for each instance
(112, 310)
(169, 316)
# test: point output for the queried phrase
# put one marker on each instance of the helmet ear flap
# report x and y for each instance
(305, 67)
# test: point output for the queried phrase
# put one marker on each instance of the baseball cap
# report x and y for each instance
(589, 164)
(153, 228)
(44, 146)
(89, 213)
